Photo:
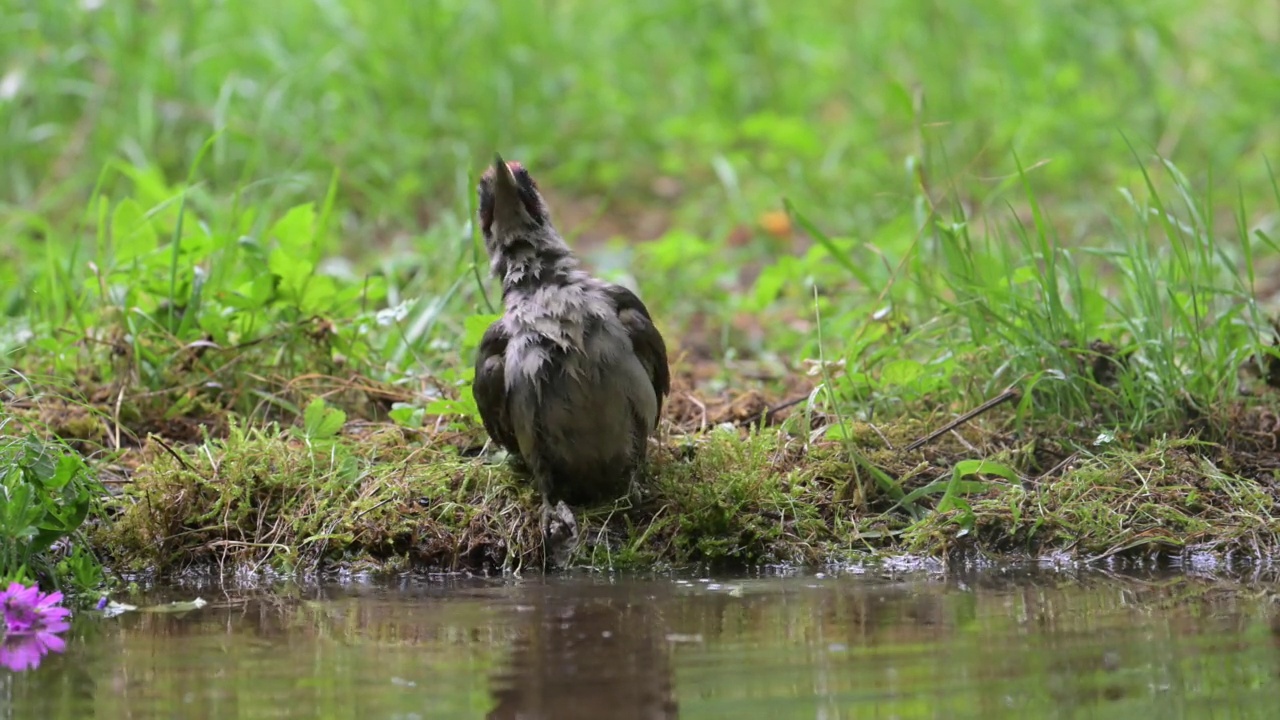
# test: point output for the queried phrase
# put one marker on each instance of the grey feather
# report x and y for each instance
(489, 387)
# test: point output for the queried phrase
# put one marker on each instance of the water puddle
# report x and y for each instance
(1015, 644)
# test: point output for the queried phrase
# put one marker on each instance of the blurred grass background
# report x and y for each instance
(732, 103)
(890, 126)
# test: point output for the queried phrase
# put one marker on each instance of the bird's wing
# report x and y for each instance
(645, 339)
(490, 389)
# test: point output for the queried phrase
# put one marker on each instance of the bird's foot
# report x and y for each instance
(641, 479)
(517, 463)
(635, 492)
(559, 533)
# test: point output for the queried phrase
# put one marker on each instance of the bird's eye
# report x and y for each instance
(532, 206)
(486, 207)
(529, 195)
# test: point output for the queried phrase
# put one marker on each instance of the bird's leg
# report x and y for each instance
(558, 521)
(517, 464)
(639, 470)
(559, 532)
(635, 486)
(558, 525)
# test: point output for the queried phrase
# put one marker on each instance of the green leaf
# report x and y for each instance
(296, 231)
(474, 328)
(148, 183)
(1024, 275)
(406, 415)
(320, 421)
(319, 296)
(901, 372)
(956, 486)
(67, 467)
(837, 253)
(293, 271)
(253, 294)
(132, 233)
(38, 461)
(770, 283)
(464, 406)
(18, 515)
(859, 341)
(839, 431)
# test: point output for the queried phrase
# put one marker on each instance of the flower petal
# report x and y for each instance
(52, 642)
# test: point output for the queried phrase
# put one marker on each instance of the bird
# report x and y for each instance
(571, 379)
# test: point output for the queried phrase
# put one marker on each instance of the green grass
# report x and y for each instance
(215, 216)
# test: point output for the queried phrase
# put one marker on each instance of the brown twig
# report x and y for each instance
(185, 466)
(1053, 470)
(768, 413)
(1010, 393)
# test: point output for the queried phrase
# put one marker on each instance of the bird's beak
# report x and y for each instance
(508, 209)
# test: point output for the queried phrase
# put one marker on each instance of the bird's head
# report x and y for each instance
(511, 208)
(523, 245)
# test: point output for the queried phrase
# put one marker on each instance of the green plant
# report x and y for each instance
(48, 493)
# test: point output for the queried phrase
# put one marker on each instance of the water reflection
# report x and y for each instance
(19, 653)
(602, 653)
(989, 645)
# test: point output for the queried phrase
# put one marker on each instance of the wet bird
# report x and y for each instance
(572, 378)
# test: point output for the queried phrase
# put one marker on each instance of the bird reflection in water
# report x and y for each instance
(593, 657)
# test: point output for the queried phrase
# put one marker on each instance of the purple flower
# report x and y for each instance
(50, 615)
(31, 622)
(26, 610)
(24, 651)
(18, 604)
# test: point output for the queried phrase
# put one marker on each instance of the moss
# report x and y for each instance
(267, 496)
(387, 498)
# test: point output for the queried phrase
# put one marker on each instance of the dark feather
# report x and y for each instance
(645, 339)
(489, 388)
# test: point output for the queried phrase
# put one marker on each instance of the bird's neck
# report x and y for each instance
(526, 266)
